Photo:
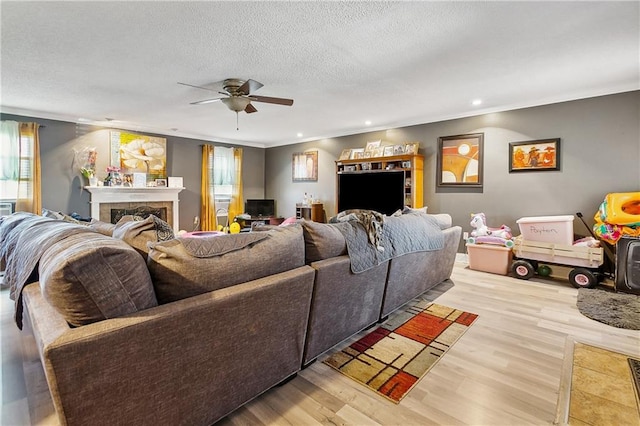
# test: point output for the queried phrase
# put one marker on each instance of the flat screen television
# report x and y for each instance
(379, 191)
(257, 208)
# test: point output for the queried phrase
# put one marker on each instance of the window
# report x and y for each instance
(13, 165)
(222, 174)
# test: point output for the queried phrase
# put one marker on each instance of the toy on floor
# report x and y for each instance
(482, 234)
(618, 216)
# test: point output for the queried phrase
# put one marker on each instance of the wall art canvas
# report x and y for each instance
(135, 153)
(538, 155)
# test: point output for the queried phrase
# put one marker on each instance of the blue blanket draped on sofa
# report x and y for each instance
(401, 234)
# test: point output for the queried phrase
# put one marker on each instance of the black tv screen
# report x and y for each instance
(379, 191)
(260, 207)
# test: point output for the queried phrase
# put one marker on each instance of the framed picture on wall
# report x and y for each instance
(305, 166)
(460, 161)
(534, 156)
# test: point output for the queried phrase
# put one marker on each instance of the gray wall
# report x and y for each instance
(62, 182)
(600, 153)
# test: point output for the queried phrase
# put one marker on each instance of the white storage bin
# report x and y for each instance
(547, 229)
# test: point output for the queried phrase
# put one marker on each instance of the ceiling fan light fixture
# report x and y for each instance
(236, 103)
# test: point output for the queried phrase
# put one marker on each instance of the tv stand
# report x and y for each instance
(411, 165)
(268, 220)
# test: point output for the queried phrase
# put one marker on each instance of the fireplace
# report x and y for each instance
(109, 203)
(142, 211)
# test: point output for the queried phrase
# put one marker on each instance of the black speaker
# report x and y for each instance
(628, 265)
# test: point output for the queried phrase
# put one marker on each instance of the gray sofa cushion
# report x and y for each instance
(89, 277)
(137, 232)
(105, 228)
(322, 241)
(183, 268)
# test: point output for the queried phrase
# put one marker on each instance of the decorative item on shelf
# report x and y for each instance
(370, 146)
(139, 180)
(398, 150)
(161, 183)
(388, 151)
(175, 181)
(345, 155)
(411, 147)
(114, 178)
(357, 153)
(86, 159)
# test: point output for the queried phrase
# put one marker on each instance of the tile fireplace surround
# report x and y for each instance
(105, 198)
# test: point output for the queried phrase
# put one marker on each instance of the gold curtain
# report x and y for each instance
(29, 181)
(207, 206)
(236, 206)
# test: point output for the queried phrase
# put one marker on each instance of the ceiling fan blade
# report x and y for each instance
(197, 87)
(206, 101)
(249, 86)
(250, 108)
(270, 100)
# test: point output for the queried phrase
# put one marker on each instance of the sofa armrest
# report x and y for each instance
(188, 362)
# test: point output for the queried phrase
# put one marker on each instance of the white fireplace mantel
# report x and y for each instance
(124, 194)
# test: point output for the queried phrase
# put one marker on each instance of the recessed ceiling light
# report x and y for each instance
(83, 120)
(476, 102)
(368, 122)
(300, 135)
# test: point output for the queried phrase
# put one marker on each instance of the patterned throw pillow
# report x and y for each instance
(137, 232)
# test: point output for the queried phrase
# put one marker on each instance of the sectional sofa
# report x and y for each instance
(134, 326)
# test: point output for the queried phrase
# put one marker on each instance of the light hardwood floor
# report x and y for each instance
(505, 370)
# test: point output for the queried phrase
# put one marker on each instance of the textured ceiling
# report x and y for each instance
(393, 63)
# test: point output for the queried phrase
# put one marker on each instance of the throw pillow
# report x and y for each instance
(137, 232)
(322, 241)
(104, 228)
(187, 267)
(89, 277)
(408, 209)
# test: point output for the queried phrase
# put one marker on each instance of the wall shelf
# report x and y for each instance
(411, 164)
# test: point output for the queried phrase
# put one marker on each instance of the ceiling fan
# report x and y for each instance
(239, 94)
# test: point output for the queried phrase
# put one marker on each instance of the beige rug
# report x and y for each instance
(597, 388)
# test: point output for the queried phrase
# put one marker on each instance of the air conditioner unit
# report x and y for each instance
(6, 209)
